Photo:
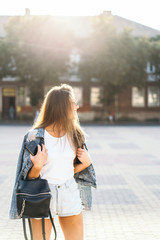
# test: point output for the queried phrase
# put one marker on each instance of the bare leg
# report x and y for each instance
(72, 227)
(37, 229)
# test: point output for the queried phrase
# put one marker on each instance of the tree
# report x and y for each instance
(6, 60)
(155, 56)
(36, 50)
(116, 60)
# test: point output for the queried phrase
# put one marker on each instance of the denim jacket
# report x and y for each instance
(85, 179)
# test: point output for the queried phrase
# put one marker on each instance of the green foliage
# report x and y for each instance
(155, 56)
(6, 60)
(155, 39)
(36, 49)
(115, 59)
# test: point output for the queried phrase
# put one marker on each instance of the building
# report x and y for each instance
(141, 105)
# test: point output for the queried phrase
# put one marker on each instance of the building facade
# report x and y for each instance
(141, 104)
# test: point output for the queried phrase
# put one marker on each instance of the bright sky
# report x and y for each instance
(141, 11)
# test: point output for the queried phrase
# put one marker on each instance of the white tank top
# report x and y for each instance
(59, 166)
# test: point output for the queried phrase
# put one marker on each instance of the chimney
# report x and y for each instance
(107, 13)
(27, 11)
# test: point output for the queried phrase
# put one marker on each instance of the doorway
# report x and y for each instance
(8, 103)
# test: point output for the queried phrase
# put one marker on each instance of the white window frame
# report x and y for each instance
(95, 104)
(80, 100)
(158, 101)
(134, 104)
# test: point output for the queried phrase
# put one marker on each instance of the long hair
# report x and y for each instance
(56, 110)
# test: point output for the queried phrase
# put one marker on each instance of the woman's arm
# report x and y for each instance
(79, 167)
(84, 158)
(34, 172)
(38, 161)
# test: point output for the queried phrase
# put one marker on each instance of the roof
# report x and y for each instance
(3, 20)
(81, 25)
(137, 28)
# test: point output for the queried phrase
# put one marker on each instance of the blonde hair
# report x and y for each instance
(56, 109)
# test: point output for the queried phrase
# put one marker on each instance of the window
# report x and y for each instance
(150, 67)
(78, 95)
(138, 99)
(153, 96)
(27, 98)
(96, 94)
(74, 62)
(21, 96)
(151, 77)
(28, 101)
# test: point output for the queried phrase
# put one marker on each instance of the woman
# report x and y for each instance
(64, 161)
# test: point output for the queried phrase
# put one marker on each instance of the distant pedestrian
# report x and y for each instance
(111, 117)
(11, 112)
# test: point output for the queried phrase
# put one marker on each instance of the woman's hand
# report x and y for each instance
(40, 158)
(83, 156)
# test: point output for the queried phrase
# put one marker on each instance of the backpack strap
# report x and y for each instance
(24, 229)
(30, 228)
(43, 228)
(54, 228)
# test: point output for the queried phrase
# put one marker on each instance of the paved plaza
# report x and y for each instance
(126, 203)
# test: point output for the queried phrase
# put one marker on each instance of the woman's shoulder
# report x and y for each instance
(31, 134)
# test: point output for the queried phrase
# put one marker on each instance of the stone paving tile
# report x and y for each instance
(123, 145)
(150, 179)
(127, 198)
(129, 159)
(115, 196)
(2, 178)
(111, 180)
(156, 192)
(93, 145)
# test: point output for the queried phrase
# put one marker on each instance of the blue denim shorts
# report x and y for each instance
(65, 200)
